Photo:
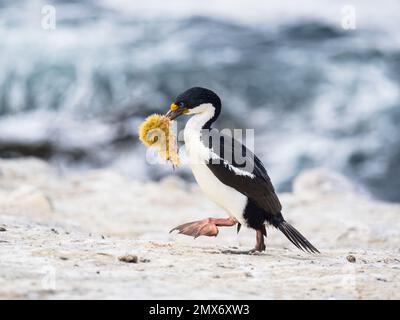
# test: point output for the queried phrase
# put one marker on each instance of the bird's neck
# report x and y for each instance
(193, 133)
(202, 120)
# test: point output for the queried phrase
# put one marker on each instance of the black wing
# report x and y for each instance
(236, 166)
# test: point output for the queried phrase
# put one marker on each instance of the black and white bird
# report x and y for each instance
(242, 188)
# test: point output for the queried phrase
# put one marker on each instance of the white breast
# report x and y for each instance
(232, 201)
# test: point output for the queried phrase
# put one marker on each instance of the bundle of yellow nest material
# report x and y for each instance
(156, 131)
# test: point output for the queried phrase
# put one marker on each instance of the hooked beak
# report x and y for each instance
(175, 111)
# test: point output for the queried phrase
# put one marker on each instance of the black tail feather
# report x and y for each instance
(296, 237)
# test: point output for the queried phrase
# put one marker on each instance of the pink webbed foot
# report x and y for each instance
(207, 227)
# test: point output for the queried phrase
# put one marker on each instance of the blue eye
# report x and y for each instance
(181, 104)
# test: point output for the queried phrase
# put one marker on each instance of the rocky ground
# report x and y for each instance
(101, 235)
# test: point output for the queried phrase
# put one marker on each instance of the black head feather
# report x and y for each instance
(197, 96)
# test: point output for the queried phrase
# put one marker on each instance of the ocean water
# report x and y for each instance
(315, 93)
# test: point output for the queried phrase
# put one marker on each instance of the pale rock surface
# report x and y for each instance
(63, 235)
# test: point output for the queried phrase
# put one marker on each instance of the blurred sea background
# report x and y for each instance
(315, 93)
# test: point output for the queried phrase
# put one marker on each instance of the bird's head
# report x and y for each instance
(196, 101)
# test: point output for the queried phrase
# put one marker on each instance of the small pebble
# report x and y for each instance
(351, 258)
(129, 258)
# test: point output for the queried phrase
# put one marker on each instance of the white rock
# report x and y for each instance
(26, 200)
(173, 182)
(313, 183)
(135, 218)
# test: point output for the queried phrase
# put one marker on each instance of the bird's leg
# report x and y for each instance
(206, 227)
(260, 244)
